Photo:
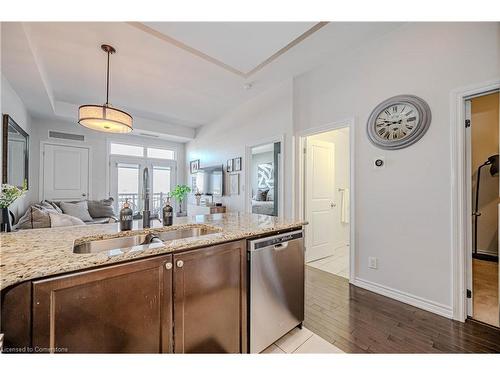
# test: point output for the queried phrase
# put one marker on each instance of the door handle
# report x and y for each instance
(333, 204)
(84, 195)
(180, 263)
(168, 266)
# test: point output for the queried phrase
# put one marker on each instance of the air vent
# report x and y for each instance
(149, 135)
(61, 135)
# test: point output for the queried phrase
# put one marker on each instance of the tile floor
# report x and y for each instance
(338, 263)
(301, 341)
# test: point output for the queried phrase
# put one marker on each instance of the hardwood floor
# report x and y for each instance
(485, 291)
(358, 321)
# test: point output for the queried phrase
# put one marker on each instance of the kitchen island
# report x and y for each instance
(184, 295)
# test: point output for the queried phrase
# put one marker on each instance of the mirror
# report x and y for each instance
(210, 181)
(264, 178)
(15, 148)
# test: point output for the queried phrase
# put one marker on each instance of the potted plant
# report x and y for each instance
(179, 194)
(9, 195)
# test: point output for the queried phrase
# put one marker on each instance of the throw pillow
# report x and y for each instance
(261, 195)
(34, 217)
(102, 208)
(63, 220)
(79, 210)
(54, 205)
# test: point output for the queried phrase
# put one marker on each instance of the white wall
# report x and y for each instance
(98, 143)
(255, 122)
(403, 212)
(12, 105)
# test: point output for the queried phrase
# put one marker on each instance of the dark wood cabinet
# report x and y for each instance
(119, 309)
(210, 300)
(190, 302)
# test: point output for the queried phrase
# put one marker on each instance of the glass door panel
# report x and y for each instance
(162, 185)
(128, 185)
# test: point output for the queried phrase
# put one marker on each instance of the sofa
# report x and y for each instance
(51, 214)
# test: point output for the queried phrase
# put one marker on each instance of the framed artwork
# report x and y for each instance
(229, 165)
(237, 164)
(194, 165)
(265, 176)
(234, 184)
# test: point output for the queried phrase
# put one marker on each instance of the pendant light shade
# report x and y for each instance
(104, 117)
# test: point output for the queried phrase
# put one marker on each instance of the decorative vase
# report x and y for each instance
(180, 213)
(6, 220)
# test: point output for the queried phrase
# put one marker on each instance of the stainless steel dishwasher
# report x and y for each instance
(276, 298)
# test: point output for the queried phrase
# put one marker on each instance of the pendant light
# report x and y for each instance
(104, 117)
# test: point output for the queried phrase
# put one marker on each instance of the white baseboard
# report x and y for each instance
(410, 299)
(487, 252)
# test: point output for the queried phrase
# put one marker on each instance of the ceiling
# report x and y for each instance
(249, 44)
(171, 76)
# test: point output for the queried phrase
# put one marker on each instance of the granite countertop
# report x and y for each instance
(35, 253)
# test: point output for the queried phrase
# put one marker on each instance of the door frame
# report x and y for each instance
(461, 200)
(42, 166)
(248, 177)
(300, 213)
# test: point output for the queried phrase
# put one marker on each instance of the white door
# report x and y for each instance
(320, 206)
(65, 172)
(126, 182)
(162, 174)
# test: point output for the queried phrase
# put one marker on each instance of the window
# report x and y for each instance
(129, 150)
(160, 153)
(138, 151)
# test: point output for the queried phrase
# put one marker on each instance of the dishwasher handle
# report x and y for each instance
(281, 246)
(277, 242)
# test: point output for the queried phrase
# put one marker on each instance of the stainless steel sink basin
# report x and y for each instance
(115, 246)
(185, 233)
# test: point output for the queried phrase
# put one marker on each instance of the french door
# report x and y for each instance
(127, 183)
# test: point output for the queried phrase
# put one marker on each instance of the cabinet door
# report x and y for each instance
(210, 300)
(118, 309)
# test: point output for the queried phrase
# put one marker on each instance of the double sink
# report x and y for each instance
(117, 245)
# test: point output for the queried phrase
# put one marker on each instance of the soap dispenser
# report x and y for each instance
(126, 217)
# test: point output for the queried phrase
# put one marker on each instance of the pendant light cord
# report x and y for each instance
(107, 83)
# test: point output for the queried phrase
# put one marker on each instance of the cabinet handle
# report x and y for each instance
(180, 263)
(168, 266)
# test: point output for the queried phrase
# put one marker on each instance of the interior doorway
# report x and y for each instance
(327, 200)
(482, 136)
(265, 178)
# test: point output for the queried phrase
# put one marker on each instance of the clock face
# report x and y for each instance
(398, 122)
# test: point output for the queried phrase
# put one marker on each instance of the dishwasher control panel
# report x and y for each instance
(270, 241)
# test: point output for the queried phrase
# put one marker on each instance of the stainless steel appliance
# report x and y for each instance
(276, 298)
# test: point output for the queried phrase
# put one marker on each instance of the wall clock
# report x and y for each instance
(398, 122)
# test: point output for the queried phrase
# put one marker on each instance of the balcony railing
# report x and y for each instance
(136, 203)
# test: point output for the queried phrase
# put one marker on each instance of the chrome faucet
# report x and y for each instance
(146, 219)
